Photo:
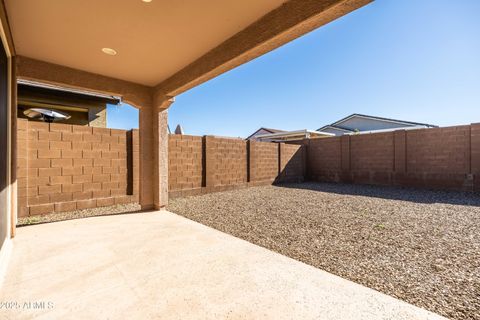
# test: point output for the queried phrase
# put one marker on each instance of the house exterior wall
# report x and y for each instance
(64, 167)
(94, 114)
(4, 142)
(7, 142)
(77, 118)
(443, 158)
(97, 116)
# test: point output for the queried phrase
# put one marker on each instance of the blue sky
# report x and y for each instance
(415, 60)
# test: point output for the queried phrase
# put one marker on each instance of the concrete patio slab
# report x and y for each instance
(160, 265)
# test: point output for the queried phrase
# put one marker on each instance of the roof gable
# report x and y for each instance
(342, 122)
(363, 122)
(332, 127)
(268, 130)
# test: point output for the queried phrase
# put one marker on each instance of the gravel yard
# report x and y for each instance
(420, 246)
(60, 216)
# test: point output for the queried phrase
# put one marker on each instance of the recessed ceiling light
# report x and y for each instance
(109, 51)
(147, 1)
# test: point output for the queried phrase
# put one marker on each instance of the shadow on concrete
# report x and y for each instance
(391, 192)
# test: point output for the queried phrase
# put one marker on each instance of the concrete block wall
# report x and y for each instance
(65, 167)
(475, 155)
(324, 159)
(372, 152)
(264, 162)
(199, 165)
(292, 163)
(185, 162)
(443, 158)
(226, 162)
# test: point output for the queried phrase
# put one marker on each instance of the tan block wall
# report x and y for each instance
(208, 164)
(226, 161)
(439, 150)
(475, 155)
(292, 162)
(185, 162)
(325, 155)
(441, 158)
(134, 167)
(372, 152)
(65, 167)
(264, 162)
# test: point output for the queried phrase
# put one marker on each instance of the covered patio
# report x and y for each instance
(143, 52)
(160, 265)
(153, 264)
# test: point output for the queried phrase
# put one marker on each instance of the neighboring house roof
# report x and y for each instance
(338, 124)
(334, 127)
(293, 135)
(264, 129)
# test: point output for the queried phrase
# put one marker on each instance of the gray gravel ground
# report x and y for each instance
(117, 209)
(420, 246)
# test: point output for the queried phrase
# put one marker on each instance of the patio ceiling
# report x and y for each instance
(165, 34)
(172, 45)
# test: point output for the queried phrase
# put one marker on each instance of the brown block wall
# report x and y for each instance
(264, 162)
(445, 158)
(292, 163)
(438, 158)
(439, 150)
(475, 155)
(208, 164)
(324, 159)
(372, 152)
(226, 162)
(185, 162)
(372, 158)
(65, 167)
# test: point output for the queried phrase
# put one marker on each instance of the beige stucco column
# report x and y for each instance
(154, 155)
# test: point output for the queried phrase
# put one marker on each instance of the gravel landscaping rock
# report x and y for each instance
(420, 246)
(59, 216)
